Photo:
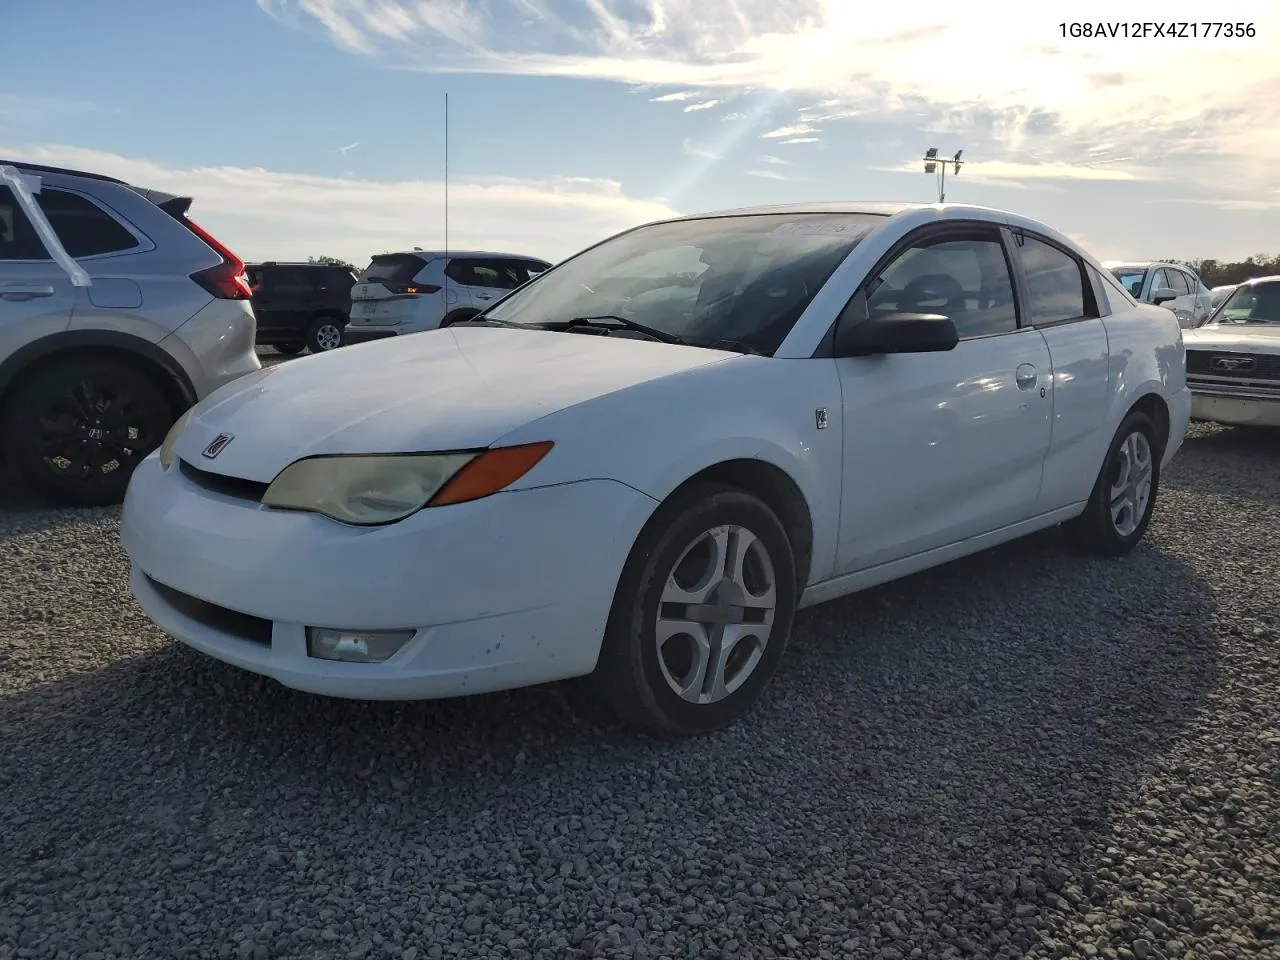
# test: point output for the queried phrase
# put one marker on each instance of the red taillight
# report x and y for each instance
(410, 288)
(226, 280)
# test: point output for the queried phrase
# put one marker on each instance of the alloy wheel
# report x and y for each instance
(1130, 494)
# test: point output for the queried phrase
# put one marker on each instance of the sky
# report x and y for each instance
(316, 127)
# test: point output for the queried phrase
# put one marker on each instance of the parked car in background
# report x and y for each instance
(300, 305)
(416, 290)
(1170, 285)
(1221, 293)
(1233, 360)
(632, 471)
(117, 313)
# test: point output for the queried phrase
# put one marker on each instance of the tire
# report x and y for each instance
(288, 349)
(1112, 532)
(325, 335)
(108, 416)
(632, 677)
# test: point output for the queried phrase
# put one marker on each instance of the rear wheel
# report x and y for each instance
(76, 430)
(1124, 495)
(289, 349)
(325, 334)
(702, 614)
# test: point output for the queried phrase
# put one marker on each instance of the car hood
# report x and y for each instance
(452, 389)
(1237, 337)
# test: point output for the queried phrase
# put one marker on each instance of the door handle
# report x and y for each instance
(483, 296)
(24, 291)
(1026, 376)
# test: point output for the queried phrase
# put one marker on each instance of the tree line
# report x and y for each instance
(1219, 273)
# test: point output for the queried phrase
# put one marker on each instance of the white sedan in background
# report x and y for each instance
(1233, 360)
(631, 472)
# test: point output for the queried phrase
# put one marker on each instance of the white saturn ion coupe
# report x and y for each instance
(631, 471)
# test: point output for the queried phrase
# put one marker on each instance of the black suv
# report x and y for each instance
(300, 305)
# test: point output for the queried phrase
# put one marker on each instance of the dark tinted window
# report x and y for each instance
(1055, 283)
(966, 279)
(393, 267)
(85, 229)
(289, 280)
(18, 238)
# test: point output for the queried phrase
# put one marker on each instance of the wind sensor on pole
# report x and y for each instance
(933, 164)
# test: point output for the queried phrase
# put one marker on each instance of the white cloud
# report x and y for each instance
(693, 150)
(265, 214)
(674, 97)
(769, 158)
(1012, 85)
(798, 140)
(1235, 205)
(792, 130)
(768, 174)
(702, 105)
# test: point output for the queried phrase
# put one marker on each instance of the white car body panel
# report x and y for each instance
(902, 461)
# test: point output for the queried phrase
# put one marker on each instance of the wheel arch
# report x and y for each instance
(1155, 407)
(779, 491)
(142, 355)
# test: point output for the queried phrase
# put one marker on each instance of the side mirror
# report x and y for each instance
(1163, 295)
(895, 333)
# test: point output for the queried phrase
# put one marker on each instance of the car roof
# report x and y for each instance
(871, 207)
(451, 254)
(1273, 278)
(294, 263)
(1137, 264)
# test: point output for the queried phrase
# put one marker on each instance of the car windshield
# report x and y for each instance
(1132, 278)
(1259, 303)
(741, 281)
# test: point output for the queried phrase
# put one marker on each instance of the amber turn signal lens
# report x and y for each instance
(490, 472)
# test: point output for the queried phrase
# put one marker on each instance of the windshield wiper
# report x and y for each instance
(494, 320)
(625, 324)
(718, 343)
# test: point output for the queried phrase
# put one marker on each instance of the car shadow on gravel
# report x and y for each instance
(965, 733)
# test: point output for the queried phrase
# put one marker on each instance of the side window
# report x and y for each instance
(18, 238)
(1055, 283)
(463, 272)
(255, 277)
(1159, 281)
(85, 229)
(963, 277)
(535, 267)
(1100, 291)
(1182, 283)
(510, 273)
(289, 281)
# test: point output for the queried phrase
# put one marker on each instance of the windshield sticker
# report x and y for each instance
(848, 229)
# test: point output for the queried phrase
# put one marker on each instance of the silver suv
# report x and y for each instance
(416, 290)
(117, 313)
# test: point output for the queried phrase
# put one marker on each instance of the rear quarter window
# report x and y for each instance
(393, 267)
(85, 229)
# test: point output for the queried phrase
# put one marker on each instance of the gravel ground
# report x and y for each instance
(1024, 754)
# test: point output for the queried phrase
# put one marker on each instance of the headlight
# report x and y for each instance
(170, 438)
(366, 490)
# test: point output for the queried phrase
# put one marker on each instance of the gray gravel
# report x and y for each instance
(1026, 754)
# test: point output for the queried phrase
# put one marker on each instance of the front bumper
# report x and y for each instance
(1236, 406)
(503, 592)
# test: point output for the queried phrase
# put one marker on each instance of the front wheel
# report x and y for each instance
(1124, 495)
(702, 614)
(77, 429)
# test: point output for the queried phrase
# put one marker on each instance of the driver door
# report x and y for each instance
(941, 447)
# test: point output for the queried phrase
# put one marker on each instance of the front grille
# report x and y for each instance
(236, 487)
(242, 625)
(1237, 366)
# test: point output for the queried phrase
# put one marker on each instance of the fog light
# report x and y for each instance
(355, 646)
